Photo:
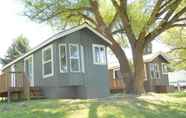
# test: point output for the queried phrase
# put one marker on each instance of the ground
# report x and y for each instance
(116, 106)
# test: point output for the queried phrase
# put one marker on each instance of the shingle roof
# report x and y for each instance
(150, 57)
(147, 58)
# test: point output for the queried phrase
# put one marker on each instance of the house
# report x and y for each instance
(70, 64)
(177, 79)
(156, 74)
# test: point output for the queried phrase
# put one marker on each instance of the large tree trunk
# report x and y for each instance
(139, 71)
(124, 67)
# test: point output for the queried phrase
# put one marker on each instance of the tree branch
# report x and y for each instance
(177, 48)
(122, 12)
(176, 16)
(151, 20)
(113, 20)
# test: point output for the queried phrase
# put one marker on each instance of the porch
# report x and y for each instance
(15, 85)
(117, 85)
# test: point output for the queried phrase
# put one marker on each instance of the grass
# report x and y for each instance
(117, 106)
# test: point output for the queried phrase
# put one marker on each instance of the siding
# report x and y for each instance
(151, 83)
(91, 84)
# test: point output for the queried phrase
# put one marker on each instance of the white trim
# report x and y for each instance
(77, 46)
(52, 61)
(65, 45)
(163, 66)
(82, 59)
(113, 72)
(27, 58)
(93, 52)
(58, 35)
(13, 76)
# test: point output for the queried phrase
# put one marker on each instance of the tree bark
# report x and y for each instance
(139, 71)
(125, 69)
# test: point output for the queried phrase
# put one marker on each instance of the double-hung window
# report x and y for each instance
(74, 58)
(154, 71)
(63, 58)
(116, 73)
(164, 68)
(99, 54)
(47, 61)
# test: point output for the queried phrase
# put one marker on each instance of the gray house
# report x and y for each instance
(70, 64)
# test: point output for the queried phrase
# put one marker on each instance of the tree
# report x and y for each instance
(176, 40)
(19, 47)
(141, 21)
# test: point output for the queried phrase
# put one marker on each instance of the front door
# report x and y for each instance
(28, 68)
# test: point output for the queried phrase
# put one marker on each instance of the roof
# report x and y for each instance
(147, 58)
(57, 36)
(150, 57)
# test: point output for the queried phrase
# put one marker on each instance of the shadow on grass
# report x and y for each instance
(144, 109)
(178, 94)
(93, 110)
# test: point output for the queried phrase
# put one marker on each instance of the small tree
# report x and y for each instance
(141, 21)
(19, 47)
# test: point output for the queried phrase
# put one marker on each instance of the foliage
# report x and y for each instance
(176, 39)
(18, 47)
(116, 106)
(141, 21)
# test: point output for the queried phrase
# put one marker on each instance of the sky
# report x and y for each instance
(13, 24)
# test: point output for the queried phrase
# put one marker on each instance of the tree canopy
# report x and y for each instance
(141, 21)
(176, 40)
(18, 47)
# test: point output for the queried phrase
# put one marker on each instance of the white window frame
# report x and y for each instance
(52, 61)
(152, 69)
(114, 72)
(65, 45)
(77, 46)
(94, 57)
(163, 65)
(82, 59)
(31, 56)
(13, 76)
(157, 71)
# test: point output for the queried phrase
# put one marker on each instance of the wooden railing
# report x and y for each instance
(20, 83)
(117, 84)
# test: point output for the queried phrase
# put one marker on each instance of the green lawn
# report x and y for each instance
(117, 106)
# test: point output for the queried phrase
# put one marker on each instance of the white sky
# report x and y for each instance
(13, 24)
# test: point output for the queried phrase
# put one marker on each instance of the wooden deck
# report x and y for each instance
(18, 85)
(117, 85)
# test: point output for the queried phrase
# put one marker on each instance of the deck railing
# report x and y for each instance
(117, 84)
(19, 81)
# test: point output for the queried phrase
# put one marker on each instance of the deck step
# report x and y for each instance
(35, 93)
(37, 97)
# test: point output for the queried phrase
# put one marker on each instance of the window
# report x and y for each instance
(154, 71)
(116, 73)
(74, 58)
(47, 61)
(157, 71)
(164, 68)
(82, 59)
(29, 69)
(13, 76)
(63, 58)
(99, 54)
(151, 68)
